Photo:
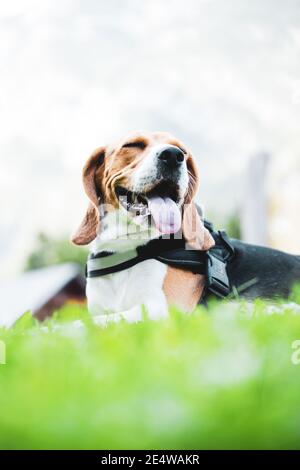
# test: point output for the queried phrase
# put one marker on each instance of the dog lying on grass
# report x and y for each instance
(141, 190)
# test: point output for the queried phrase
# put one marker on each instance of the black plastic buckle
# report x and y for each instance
(217, 278)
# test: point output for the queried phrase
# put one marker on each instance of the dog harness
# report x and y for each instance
(172, 251)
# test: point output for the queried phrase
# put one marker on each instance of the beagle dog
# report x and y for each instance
(139, 189)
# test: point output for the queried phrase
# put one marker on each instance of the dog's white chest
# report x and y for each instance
(124, 292)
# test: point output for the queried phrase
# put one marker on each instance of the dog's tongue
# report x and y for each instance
(165, 213)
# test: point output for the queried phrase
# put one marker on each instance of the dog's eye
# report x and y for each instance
(137, 144)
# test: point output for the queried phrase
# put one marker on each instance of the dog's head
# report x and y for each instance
(146, 174)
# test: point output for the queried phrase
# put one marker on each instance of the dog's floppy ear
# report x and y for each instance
(90, 224)
(193, 179)
(195, 234)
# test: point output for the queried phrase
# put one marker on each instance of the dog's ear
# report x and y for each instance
(195, 234)
(193, 179)
(88, 228)
(90, 224)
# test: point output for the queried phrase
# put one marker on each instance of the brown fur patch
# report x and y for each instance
(183, 289)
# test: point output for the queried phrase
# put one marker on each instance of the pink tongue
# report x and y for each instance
(165, 213)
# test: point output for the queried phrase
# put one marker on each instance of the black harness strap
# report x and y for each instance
(168, 251)
(218, 257)
(172, 251)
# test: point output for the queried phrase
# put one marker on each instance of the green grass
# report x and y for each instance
(219, 378)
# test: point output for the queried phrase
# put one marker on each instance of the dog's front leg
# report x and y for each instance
(157, 307)
(133, 315)
(154, 309)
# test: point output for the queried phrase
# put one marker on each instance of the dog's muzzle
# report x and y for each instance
(169, 161)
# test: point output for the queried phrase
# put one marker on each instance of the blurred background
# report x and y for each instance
(222, 76)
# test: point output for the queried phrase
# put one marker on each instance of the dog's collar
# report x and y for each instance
(212, 264)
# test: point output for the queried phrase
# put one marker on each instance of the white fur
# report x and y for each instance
(128, 293)
(125, 292)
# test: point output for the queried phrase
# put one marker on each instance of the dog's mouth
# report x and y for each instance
(161, 204)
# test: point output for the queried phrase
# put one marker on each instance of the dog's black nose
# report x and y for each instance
(171, 157)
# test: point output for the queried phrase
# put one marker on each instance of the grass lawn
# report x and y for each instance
(219, 378)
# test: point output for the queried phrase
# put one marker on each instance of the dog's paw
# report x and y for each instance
(156, 310)
(133, 315)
